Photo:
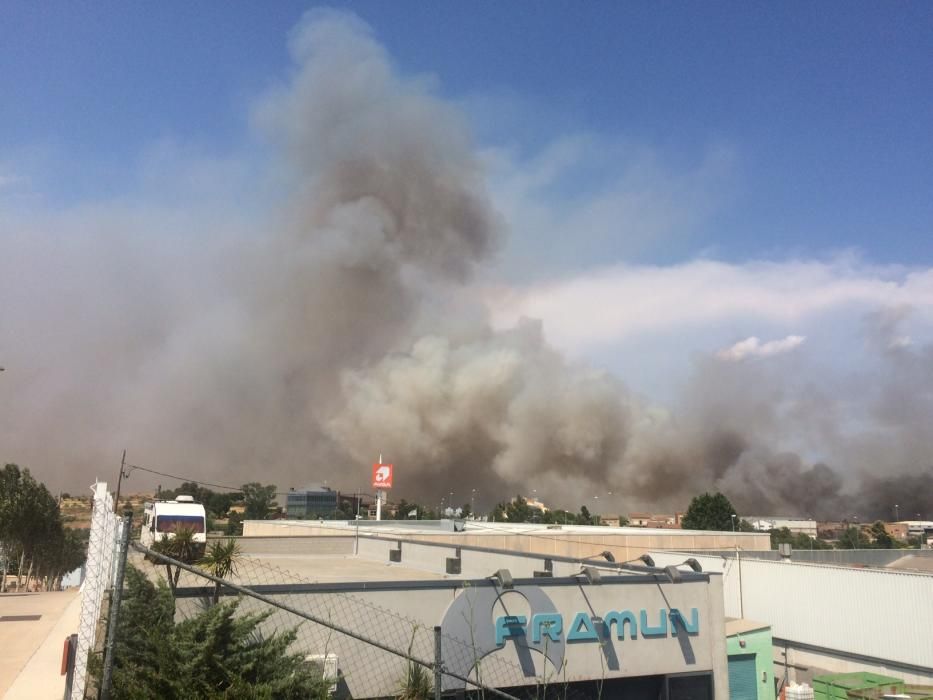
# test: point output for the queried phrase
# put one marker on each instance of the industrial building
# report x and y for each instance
(311, 502)
(837, 617)
(517, 620)
(765, 523)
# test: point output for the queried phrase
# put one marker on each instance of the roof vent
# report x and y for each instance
(184, 499)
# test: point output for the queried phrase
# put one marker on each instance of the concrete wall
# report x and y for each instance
(759, 643)
(277, 546)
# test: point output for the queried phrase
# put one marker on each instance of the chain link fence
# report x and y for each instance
(105, 533)
(365, 649)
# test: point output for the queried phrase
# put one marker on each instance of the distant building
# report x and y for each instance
(764, 523)
(918, 528)
(389, 511)
(898, 531)
(312, 502)
(656, 520)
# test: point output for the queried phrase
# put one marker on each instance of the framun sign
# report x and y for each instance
(587, 628)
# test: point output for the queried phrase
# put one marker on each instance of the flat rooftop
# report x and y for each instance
(402, 528)
(347, 568)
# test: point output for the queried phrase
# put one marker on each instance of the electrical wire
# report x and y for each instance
(190, 479)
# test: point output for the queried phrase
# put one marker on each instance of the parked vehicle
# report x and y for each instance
(162, 519)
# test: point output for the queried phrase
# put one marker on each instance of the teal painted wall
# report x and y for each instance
(758, 643)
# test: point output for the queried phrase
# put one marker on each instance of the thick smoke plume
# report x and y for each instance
(297, 346)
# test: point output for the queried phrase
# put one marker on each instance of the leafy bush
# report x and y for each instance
(216, 654)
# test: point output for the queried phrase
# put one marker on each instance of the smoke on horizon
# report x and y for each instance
(296, 346)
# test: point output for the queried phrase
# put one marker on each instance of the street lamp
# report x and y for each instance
(473, 503)
(732, 518)
(897, 514)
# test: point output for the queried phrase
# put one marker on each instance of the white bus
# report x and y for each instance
(162, 519)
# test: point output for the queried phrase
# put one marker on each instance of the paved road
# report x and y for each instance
(35, 643)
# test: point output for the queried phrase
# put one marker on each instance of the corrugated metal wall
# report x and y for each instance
(882, 614)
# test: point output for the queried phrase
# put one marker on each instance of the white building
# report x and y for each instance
(830, 618)
(764, 523)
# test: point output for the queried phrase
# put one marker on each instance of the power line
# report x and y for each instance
(199, 482)
(188, 479)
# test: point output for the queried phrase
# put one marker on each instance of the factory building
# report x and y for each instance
(311, 502)
(865, 611)
(513, 619)
(766, 523)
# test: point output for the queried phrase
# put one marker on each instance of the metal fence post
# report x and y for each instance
(438, 664)
(69, 663)
(113, 618)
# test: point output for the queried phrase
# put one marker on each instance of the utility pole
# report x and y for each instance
(116, 500)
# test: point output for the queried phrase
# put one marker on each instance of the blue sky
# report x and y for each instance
(824, 109)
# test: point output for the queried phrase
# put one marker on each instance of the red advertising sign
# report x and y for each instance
(382, 476)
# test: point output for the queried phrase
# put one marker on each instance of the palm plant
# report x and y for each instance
(417, 684)
(221, 560)
(181, 547)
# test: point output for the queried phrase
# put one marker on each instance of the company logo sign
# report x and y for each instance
(382, 476)
(587, 628)
(470, 617)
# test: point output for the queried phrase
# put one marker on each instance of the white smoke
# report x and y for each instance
(753, 347)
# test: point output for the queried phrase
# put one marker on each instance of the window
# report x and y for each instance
(171, 523)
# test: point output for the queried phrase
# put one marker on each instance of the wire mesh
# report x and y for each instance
(98, 572)
(376, 650)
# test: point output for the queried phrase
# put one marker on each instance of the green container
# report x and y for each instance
(855, 686)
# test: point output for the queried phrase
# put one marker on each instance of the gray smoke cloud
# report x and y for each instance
(300, 341)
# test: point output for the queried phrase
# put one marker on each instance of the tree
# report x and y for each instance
(518, 511)
(221, 560)
(181, 547)
(709, 512)
(259, 500)
(882, 539)
(234, 525)
(853, 538)
(32, 530)
(797, 540)
(216, 654)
